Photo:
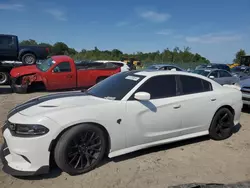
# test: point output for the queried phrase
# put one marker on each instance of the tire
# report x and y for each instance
(28, 59)
(4, 78)
(74, 149)
(222, 125)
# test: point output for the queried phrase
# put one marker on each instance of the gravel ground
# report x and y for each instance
(199, 160)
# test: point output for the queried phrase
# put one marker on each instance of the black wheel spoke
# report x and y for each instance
(224, 117)
(84, 150)
(72, 154)
(73, 159)
(83, 139)
(78, 161)
(95, 145)
(88, 160)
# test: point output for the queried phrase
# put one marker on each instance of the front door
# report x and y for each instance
(62, 77)
(157, 119)
(225, 77)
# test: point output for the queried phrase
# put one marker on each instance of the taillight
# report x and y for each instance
(47, 50)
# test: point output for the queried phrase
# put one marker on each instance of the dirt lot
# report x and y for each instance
(197, 160)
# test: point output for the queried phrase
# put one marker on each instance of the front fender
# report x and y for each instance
(69, 117)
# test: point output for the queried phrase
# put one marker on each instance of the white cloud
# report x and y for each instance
(154, 16)
(123, 23)
(165, 32)
(16, 7)
(213, 38)
(57, 14)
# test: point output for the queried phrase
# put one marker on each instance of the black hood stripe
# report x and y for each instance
(39, 100)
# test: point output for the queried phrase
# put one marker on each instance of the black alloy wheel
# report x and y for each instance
(84, 150)
(80, 149)
(222, 125)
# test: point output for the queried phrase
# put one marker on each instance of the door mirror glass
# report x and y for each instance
(142, 96)
(212, 77)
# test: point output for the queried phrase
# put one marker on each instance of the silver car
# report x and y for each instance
(221, 76)
(245, 89)
(164, 67)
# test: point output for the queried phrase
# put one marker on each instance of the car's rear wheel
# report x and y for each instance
(29, 59)
(222, 124)
(4, 78)
(80, 149)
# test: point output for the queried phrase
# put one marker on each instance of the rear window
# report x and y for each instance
(192, 85)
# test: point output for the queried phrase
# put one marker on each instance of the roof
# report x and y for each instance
(61, 58)
(164, 72)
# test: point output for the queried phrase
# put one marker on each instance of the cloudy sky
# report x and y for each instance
(214, 28)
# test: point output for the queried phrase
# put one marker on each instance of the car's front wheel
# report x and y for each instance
(222, 124)
(80, 149)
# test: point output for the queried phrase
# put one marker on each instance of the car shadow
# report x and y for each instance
(246, 109)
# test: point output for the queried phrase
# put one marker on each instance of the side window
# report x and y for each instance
(214, 73)
(6, 42)
(191, 85)
(224, 74)
(62, 67)
(160, 86)
(207, 85)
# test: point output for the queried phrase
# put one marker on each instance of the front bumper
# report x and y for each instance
(25, 156)
(246, 98)
(5, 152)
(18, 88)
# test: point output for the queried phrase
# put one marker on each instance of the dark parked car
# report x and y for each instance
(214, 66)
(11, 51)
(242, 72)
(221, 76)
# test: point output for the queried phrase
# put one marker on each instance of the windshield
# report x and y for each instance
(116, 86)
(45, 65)
(238, 69)
(202, 72)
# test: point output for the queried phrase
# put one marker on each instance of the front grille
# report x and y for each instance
(245, 99)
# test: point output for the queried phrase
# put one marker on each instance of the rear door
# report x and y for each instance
(62, 76)
(8, 48)
(198, 104)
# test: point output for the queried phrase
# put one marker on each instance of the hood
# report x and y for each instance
(24, 70)
(48, 103)
(245, 83)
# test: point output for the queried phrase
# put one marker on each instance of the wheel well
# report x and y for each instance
(26, 52)
(38, 85)
(228, 107)
(54, 141)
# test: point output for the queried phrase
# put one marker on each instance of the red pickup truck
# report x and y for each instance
(60, 73)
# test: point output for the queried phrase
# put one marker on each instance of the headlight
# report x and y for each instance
(27, 130)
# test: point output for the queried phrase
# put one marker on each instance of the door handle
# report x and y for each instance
(213, 99)
(177, 106)
(69, 76)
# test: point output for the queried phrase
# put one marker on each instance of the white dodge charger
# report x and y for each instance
(124, 113)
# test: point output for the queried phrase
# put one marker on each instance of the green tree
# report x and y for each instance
(238, 55)
(60, 48)
(29, 42)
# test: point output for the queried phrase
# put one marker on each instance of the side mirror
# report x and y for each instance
(212, 77)
(142, 96)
